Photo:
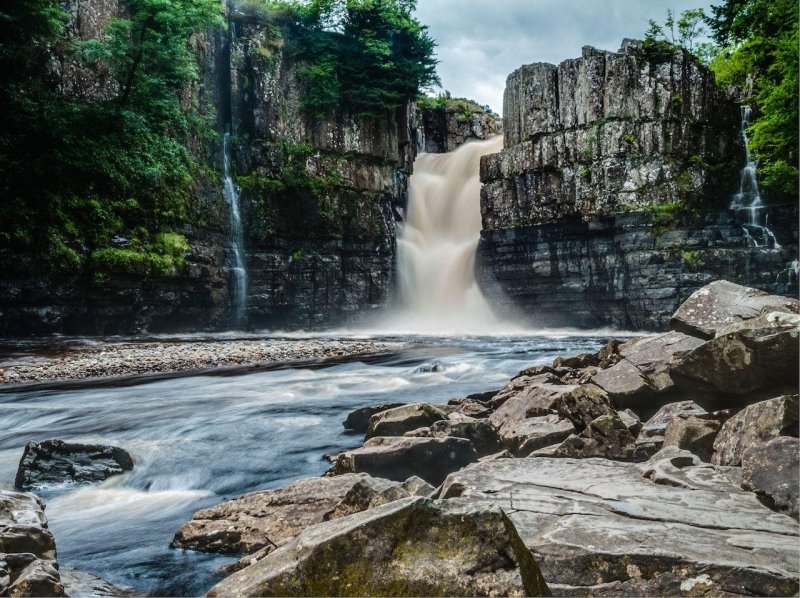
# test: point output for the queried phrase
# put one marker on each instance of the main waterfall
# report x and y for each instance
(436, 247)
(236, 239)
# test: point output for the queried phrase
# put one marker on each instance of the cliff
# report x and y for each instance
(606, 205)
(445, 123)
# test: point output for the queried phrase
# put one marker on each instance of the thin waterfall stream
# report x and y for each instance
(438, 242)
(749, 196)
(235, 239)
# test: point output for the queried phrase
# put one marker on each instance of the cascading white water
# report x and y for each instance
(235, 238)
(436, 247)
(749, 196)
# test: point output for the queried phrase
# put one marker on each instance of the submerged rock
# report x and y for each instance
(599, 527)
(755, 425)
(722, 303)
(411, 547)
(57, 462)
(398, 458)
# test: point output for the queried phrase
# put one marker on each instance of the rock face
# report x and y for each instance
(446, 123)
(27, 548)
(599, 527)
(263, 519)
(398, 458)
(412, 547)
(572, 231)
(772, 471)
(58, 462)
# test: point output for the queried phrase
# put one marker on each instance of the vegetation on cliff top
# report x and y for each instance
(755, 51)
(95, 179)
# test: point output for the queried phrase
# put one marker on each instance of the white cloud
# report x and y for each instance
(480, 42)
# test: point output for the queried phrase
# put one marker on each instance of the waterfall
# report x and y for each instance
(748, 198)
(235, 238)
(437, 244)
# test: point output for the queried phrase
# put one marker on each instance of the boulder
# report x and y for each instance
(739, 364)
(398, 421)
(57, 462)
(358, 419)
(523, 385)
(398, 458)
(583, 360)
(27, 548)
(370, 492)
(772, 471)
(470, 407)
(722, 303)
(524, 436)
(755, 425)
(643, 369)
(263, 519)
(532, 399)
(86, 585)
(411, 547)
(651, 436)
(631, 421)
(478, 431)
(600, 528)
(694, 433)
(607, 436)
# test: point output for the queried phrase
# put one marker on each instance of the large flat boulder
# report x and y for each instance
(57, 462)
(398, 421)
(643, 369)
(722, 303)
(28, 564)
(755, 425)
(739, 364)
(599, 527)
(411, 547)
(399, 458)
(263, 519)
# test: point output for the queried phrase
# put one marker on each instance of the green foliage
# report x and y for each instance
(366, 56)
(760, 56)
(164, 257)
(585, 173)
(78, 171)
(629, 138)
(693, 260)
(464, 108)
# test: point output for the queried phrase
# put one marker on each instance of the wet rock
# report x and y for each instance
(27, 548)
(262, 520)
(740, 363)
(772, 470)
(398, 458)
(695, 433)
(651, 436)
(482, 435)
(607, 436)
(370, 492)
(358, 419)
(398, 421)
(599, 527)
(86, 585)
(644, 368)
(411, 547)
(58, 462)
(755, 425)
(722, 303)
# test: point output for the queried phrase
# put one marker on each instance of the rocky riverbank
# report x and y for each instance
(634, 471)
(143, 358)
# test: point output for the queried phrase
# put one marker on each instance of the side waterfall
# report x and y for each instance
(235, 239)
(749, 197)
(436, 247)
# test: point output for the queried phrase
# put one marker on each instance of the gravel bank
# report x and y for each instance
(140, 358)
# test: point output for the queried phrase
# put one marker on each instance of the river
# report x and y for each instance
(198, 440)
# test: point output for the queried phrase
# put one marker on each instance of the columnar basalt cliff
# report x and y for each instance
(608, 205)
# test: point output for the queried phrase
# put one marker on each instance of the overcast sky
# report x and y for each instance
(482, 41)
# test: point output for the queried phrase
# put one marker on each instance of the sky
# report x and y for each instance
(480, 42)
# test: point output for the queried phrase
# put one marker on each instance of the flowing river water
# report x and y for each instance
(199, 440)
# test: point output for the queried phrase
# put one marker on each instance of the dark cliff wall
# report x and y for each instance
(608, 205)
(446, 123)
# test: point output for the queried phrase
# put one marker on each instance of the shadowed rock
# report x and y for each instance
(695, 433)
(411, 547)
(58, 462)
(607, 436)
(651, 436)
(772, 471)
